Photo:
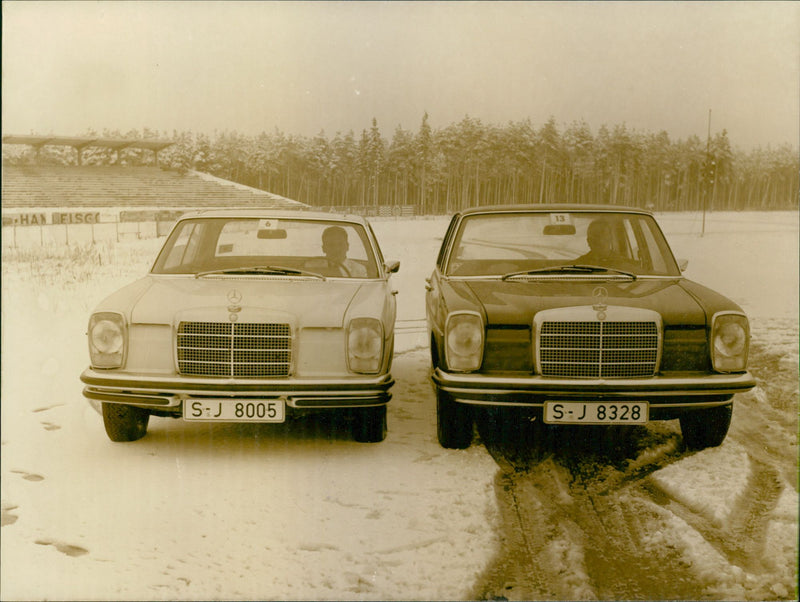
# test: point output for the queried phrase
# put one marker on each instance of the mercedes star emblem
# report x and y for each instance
(600, 296)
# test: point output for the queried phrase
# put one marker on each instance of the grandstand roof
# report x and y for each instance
(84, 141)
(111, 187)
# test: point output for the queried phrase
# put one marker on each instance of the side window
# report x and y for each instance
(446, 241)
(178, 253)
(632, 242)
(358, 244)
(377, 246)
(659, 263)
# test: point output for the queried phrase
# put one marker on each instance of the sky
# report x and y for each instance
(309, 67)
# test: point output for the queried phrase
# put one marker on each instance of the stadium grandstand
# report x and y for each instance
(36, 185)
(36, 193)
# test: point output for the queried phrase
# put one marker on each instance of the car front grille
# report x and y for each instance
(231, 349)
(598, 349)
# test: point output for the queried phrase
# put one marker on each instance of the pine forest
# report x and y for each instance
(469, 163)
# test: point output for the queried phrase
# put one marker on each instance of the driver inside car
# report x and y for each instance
(599, 237)
(336, 262)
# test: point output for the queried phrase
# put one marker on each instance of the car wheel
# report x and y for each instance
(125, 423)
(369, 425)
(706, 428)
(453, 422)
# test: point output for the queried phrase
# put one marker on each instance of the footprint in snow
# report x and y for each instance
(45, 408)
(64, 548)
(6, 516)
(317, 547)
(29, 476)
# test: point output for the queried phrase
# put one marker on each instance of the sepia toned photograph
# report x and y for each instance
(400, 300)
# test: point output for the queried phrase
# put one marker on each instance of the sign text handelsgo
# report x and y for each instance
(55, 218)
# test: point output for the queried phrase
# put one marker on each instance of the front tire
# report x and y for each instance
(453, 422)
(125, 423)
(706, 428)
(369, 424)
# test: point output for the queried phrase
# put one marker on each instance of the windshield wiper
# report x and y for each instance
(262, 269)
(569, 269)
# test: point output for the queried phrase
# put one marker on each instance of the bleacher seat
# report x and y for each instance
(120, 186)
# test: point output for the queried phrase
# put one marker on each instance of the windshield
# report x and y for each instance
(503, 244)
(204, 246)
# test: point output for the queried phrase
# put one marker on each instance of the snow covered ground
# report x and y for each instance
(300, 511)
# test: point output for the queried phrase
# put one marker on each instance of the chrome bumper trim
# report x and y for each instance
(361, 401)
(160, 401)
(660, 387)
(317, 399)
(171, 392)
(697, 404)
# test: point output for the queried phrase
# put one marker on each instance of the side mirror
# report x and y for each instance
(391, 267)
(683, 264)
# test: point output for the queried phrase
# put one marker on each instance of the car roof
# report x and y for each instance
(275, 214)
(571, 207)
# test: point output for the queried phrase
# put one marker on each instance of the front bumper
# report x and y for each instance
(664, 393)
(168, 394)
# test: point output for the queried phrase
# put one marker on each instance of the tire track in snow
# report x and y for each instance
(761, 422)
(575, 522)
(746, 533)
(768, 433)
(529, 530)
(741, 540)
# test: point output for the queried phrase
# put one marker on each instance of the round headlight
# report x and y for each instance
(464, 341)
(107, 337)
(730, 340)
(364, 342)
(364, 345)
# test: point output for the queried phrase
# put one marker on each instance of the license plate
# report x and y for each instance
(580, 412)
(234, 410)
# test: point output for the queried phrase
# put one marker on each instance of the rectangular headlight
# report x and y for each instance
(463, 335)
(364, 345)
(730, 339)
(107, 334)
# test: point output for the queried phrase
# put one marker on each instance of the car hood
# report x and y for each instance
(318, 303)
(506, 302)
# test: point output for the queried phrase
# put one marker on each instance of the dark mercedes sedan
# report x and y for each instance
(581, 314)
